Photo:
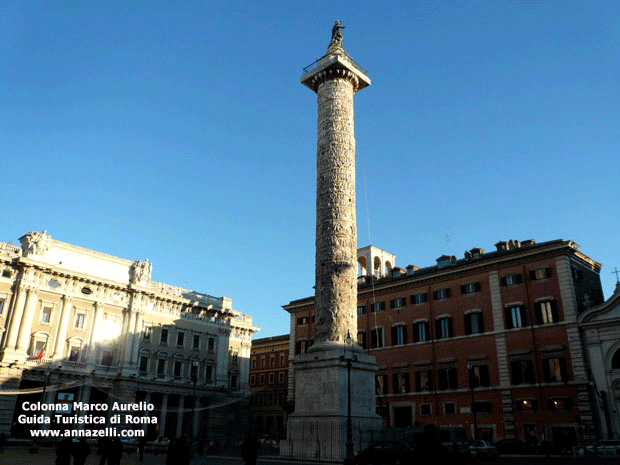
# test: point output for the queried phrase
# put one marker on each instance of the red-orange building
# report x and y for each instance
(269, 372)
(489, 340)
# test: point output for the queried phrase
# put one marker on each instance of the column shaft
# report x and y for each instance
(336, 229)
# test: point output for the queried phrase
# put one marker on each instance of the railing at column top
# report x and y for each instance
(316, 63)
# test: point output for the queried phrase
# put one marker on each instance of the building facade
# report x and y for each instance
(78, 325)
(269, 372)
(600, 329)
(489, 341)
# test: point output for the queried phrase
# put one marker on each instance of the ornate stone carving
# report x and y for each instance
(141, 271)
(35, 243)
(336, 233)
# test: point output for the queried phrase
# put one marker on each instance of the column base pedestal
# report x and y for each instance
(318, 427)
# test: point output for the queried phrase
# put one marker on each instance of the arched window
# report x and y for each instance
(615, 360)
(361, 270)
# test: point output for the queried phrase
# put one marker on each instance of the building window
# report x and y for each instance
(281, 377)
(361, 339)
(178, 368)
(301, 346)
(196, 343)
(252, 380)
(400, 383)
(107, 358)
(560, 403)
(527, 405)
(399, 335)
(180, 339)
(554, 370)
(302, 321)
(511, 279)
(420, 331)
(398, 302)
(272, 362)
(470, 288)
(161, 367)
(449, 408)
(271, 378)
(46, 314)
(381, 384)
(540, 274)
(483, 406)
(426, 410)
(546, 312)
(282, 360)
(209, 374)
(40, 347)
(441, 294)
(361, 310)
(147, 333)
(376, 338)
(444, 328)
(193, 370)
(1, 306)
(253, 363)
(419, 298)
(479, 376)
(378, 307)
(515, 317)
(423, 380)
(164, 336)
(522, 372)
(144, 364)
(447, 378)
(473, 323)
(74, 353)
(78, 323)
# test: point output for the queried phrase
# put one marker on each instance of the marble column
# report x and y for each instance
(63, 324)
(26, 325)
(318, 427)
(162, 416)
(179, 430)
(16, 318)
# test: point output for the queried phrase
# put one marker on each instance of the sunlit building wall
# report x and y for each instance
(80, 325)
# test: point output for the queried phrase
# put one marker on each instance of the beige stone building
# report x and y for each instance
(78, 325)
(600, 330)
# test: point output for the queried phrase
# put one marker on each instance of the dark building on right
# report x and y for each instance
(490, 341)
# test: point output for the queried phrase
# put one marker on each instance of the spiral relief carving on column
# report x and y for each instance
(336, 239)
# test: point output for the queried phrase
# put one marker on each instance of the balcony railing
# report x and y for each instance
(355, 64)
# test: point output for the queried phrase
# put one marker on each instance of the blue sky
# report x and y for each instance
(179, 131)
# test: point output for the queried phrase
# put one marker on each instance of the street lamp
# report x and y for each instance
(349, 445)
(472, 381)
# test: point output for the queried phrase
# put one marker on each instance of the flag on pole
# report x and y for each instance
(42, 351)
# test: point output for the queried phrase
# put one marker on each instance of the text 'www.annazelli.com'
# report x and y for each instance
(88, 433)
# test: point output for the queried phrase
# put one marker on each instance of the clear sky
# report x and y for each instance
(179, 131)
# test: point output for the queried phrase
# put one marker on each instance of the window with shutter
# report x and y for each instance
(444, 328)
(420, 331)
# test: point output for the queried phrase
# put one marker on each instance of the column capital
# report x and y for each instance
(336, 64)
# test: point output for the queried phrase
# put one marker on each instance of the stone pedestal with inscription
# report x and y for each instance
(317, 429)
